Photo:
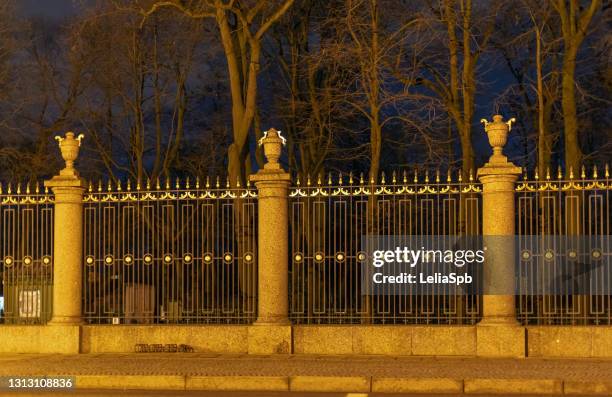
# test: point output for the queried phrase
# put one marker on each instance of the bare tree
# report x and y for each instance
(464, 36)
(135, 90)
(574, 26)
(242, 26)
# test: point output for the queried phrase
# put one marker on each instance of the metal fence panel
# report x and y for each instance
(327, 223)
(170, 255)
(26, 255)
(562, 206)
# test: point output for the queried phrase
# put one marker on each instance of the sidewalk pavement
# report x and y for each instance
(408, 374)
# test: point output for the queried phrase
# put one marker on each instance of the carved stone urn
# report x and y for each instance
(69, 147)
(497, 132)
(272, 142)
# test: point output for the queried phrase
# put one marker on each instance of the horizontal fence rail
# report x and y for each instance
(26, 255)
(328, 220)
(552, 208)
(182, 254)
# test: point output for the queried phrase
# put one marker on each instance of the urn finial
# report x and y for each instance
(497, 132)
(272, 142)
(69, 147)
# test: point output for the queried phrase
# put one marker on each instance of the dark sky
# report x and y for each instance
(54, 9)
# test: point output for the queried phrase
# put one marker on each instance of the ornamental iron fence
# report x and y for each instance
(26, 254)
(162, 254)
(188, 252)
(553, 208)
(329, 220)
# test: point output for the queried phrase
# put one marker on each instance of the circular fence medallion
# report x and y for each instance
(361, 256)
(148, 259)
(207, 257)
(248, 257)
(318, 257)
(525, 255)
(108, 260)
(167, 258)
(340, 256)
(128, 259)
(27, 260)
(187, 258)
(298, 257)
(596, 254)
(549, 255)
(8, 261)
(46, 260)
(228, 257)
(572, 254)
(89, 260)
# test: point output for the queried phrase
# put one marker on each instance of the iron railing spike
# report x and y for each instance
(108, 185)
(351, 178)
(537, 175)
(167, 182)
(340, 178)
(547, 173)
(595, 171)
(361, 181)
(382, 178)
(27, 187)
(37, 187)
(177, 184)
(571, 172)
(449, 178)
(18, 188)
(308, 181)
(187, 186)
(118, 185)
(297, 179)
(607, 171)
(559, 172)
(99, 185)
(197, 182)
(471, 176)
(416, 175)
(437, 175)
(394, 177)
(129, 184)
(426, 176)
(404, 176)
(583, 172)
(218, 182)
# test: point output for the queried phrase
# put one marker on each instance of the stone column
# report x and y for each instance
(272, 330)
(499, 333)
(68, 189)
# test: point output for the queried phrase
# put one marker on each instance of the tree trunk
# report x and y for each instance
(573, 155)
